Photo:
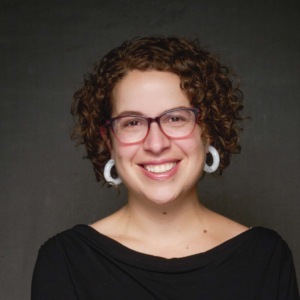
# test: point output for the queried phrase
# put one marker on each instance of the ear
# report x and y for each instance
(105, 135)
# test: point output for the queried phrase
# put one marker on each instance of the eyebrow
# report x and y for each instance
(138, 113)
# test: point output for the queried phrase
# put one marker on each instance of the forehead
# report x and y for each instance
(149, 93)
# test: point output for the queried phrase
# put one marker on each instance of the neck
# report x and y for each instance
(165, 222)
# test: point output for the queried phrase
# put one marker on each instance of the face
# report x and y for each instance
(150, 93)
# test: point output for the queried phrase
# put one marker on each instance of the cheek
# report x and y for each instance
(192, 146)
(194, 149)
(124, 155)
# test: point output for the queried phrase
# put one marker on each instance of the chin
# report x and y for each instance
(162, 197)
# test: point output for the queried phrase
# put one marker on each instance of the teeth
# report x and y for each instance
(160, 168)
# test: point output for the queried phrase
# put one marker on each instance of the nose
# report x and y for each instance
(156, 141)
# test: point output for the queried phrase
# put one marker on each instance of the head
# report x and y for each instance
(169, 65)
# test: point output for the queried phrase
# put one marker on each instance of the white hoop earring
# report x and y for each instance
(216, 160)
(107, 174)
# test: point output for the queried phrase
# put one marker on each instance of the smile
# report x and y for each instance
(160, 171)
(160, 168)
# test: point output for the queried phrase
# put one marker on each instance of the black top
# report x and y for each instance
(81, 263)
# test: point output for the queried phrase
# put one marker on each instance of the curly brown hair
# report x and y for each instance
(208, 84)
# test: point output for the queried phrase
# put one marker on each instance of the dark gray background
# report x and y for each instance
(47, 46)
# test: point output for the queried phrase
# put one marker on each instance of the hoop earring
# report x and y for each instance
(107, 174)
(216, 160)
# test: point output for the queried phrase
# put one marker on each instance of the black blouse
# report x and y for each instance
(83, 264)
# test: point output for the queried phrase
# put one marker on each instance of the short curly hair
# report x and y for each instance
(208, 84)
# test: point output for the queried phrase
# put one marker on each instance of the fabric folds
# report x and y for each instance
(81, 263)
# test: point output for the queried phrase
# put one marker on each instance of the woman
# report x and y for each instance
(156, 114)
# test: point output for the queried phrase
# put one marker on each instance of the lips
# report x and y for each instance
(160, 170)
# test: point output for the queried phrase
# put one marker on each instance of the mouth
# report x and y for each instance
(162, 171)
(163, 168)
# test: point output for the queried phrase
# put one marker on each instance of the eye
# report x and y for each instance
(171, 119)
(176, 119)
(131, 123)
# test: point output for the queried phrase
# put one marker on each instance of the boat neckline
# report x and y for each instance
(148, 261)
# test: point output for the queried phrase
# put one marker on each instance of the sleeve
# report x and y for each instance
(50, 278)
(288, 288)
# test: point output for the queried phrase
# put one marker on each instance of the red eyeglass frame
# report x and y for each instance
(110, 121)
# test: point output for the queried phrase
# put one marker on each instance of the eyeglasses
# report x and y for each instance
(177, 123)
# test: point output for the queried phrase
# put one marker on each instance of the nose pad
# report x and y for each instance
(156, 140)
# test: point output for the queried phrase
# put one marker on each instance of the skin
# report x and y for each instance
(162, 217)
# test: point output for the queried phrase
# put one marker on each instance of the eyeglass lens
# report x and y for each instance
(175, 124)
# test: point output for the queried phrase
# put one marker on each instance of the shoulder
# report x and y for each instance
(270, 241)
(266, 246)
(51, 276)
(51, 262)
(54, 247)
(270, 252)
(268, 237)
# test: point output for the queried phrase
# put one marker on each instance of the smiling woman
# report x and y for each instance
(155, 114)
(153, 93)
(202, 80)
